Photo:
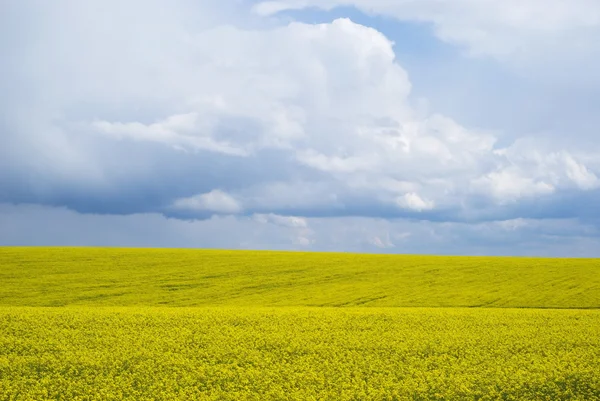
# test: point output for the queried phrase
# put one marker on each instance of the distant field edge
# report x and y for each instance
(104, 276)
(290, 251)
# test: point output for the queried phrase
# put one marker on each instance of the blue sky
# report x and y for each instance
(445, 127)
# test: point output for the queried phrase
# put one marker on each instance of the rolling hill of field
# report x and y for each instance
(173, 277)
(164, 324)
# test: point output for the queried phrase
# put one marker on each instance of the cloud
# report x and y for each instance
(499, 28)
(380, 242)
(214, 201)
(527, 172)
(413, 201)
(508, 185)
(173, 131)
(42, 225)
(304, 120)
(299, 232)
(285, 221)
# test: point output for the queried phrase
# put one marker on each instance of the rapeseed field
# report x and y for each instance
(132, 324)
(158, 277)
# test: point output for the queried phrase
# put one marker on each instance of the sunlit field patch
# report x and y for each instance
(109, 324)
(167, 277)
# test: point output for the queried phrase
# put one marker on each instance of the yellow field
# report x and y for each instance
(298, 354)
(294, 326)
(146, 277)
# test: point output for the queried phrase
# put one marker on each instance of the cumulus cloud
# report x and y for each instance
(214, 201)
(413, 201)
(525, 172)
(382, 242)
(508, 185)
(170, 131)
(187, 119)
(499, 28)
(285, 221)
(332, 102)
(299, 232)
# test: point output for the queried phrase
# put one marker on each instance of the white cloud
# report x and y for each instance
(579, 174)
(524, 171)
(500, 28)
(322, 115)
(336, 164)
(513, 224)
(302, 241)
(179, 131)
(381, 241)
(415, 202)
(299, 232)
(267, 8)
(213, 201)
(285, 221)
(509, 185)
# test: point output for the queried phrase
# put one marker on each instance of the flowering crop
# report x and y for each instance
(157, 324)
(174, 277)
(298, 354)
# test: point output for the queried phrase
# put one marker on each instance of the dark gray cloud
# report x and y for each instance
(46, 226)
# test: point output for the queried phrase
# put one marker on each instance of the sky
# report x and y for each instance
(458, 127)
